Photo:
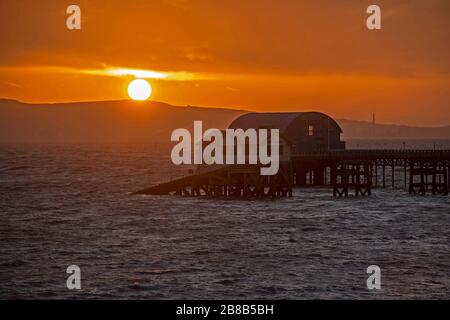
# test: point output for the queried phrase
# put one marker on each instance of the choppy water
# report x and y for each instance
(64, 205)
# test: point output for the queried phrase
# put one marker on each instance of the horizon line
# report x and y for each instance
(206, 107)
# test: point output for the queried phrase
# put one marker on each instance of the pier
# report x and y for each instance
(345, 172)
(230, 181)
(312, 154)
(422, 171)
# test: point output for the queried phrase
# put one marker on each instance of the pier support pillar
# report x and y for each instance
(300, 177)
(376, 174)
(319, 176)
(393, 176)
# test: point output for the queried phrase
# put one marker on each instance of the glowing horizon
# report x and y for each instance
(315, 55)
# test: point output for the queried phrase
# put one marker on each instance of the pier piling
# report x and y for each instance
(349, 170)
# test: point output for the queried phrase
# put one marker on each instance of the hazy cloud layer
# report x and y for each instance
(235, 39)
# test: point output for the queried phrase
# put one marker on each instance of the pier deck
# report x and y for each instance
(343, 170)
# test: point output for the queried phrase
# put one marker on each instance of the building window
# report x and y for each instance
(310, 130)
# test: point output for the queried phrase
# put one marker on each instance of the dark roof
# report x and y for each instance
(278, 120)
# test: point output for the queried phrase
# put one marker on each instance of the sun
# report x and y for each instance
(139, 89)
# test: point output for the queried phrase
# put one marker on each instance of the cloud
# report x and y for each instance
(259, 36)
(194, 55)
(111, 71)
(180, 4)
(12, 84)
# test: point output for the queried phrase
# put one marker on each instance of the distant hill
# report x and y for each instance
(129, 121)
(366, 130)
(105, 121)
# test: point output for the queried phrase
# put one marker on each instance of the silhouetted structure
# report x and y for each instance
(317, 157)
(230, 181)
(362, 170)
(306, 131)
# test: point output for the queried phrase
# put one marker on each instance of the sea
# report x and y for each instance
(73, 204)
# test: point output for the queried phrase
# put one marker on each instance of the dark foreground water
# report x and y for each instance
(65, 205)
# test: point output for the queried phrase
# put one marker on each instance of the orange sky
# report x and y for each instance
(260, 55)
